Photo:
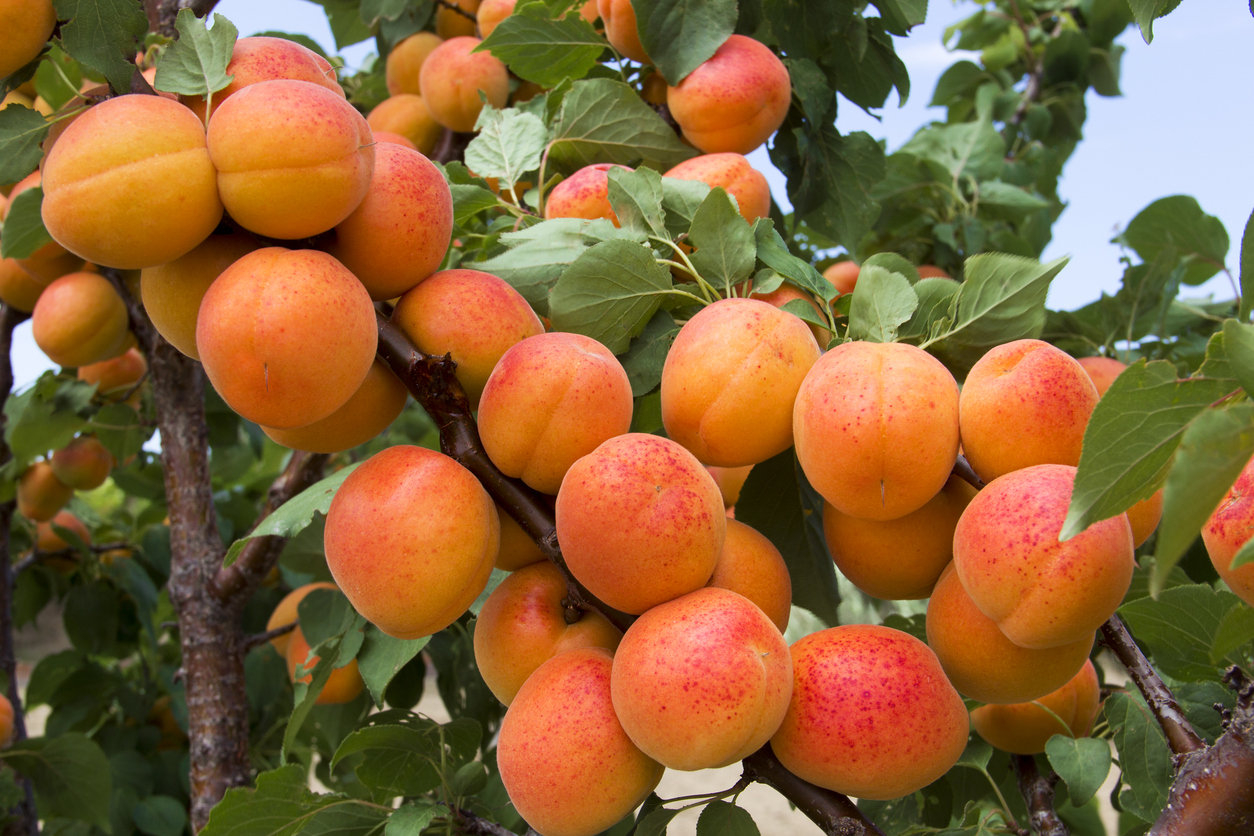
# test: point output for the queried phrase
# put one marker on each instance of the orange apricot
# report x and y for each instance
(450, 23)
(1145, 516)
(40, 494)
(750, 565)
(345, 683)
(406, 114)
(843, 275)
(367, 412)
(47, 540)
(454, 75)
(285, 613)
(80, 319)
(83, 464)
(931, 271)
(17, 289)
(27, 25)
(404, 62)
(1226, 531)
(6, 712)
(653, 88)
(262, 58)
(388, 136)
(517, 547)
(584, 194)
(733, 173)
(1025, 728)
(1102, 371)
(49, 262)
(117, 376)
(491, 13)
(730, 481)
(620, 28)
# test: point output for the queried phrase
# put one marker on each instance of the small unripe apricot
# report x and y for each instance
(40, 494)
(406, 114)
(843, 275)
(26, 26)
(369, 411)
(83, 464)
(262, 58)
(404, 62)
(47, 540)
(1102, 371)
(80, 319)
(344, 684)
(115, 377)
(453, 24)
(750, 565)
(452, 78)
(1226, 532)
(584, 194)
(620, 28)
(1025, 728)
(286, 613)
(733, 173)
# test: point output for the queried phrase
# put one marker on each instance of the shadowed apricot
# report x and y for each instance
(730, 481)
(47, 540)
(40, 494)
(450, 23)
(285, 613)
(1025, 728)
(750, 565)
(1102, 371)
(735, 100)
(931, 271)
(981, 662)
(640, 522)
(388, 136)
(452, 78)
(369, 411)
(6, 721)
(1024, 403)
(473, 316)
(1145, 516)
(898, 559)
(83, 464)
(49, 262)
(26, 26)
(411, 538)
(653, 89)
(130, 183)
(517, 547)
(567, 764)
(80, 319)
(584, 194)
(262, 58)
(1040, 592)
(522, 625)
(404, 62)
(876, 427)
(115, 377)
(843, 275)
(345, 682)
(734, 174)
(406, 114)
(786, 293)
(872, 714)
(286, 336)
(1226, 531)
(620, 28)
(17, 289)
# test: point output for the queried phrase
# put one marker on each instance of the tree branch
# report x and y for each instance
(162, 13)
(1038, 794)
(258, 639)
(834, 813)
(479, 826)
(451, 146)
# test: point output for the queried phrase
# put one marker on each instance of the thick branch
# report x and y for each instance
(834, 813)
(1038, 794)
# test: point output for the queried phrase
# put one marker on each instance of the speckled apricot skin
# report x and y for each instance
(411, 538)
(584, 194)
(80, 319)
(1102, 371)
(1024, 403)
(872, 714)
(898, 559)
(286, 336)
(172, 292)
(1226, 531)
(735, 100)
(471, 315)
(750, 565)
(522, 625)
(345, 683)
(452, 77)
(730, 379)
(40, 494)
(735, 175)
(551, 400)
(406, 114)
(843, 275)
(981, 662)
(1025, 728)
(285, 613)
(262, 58)
(876, 428)
(620, 28)
(701, 681)
(367, 412)
(83, 464)
(130, 183)
(640, 522)
(517, 547)
(400, 232)
(293, 158)
(1040, 592)
(404, 62)
(567, 764)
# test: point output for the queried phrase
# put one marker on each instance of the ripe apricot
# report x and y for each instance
(733, 173)
(262, 58)
(83, 464)
(1145, 516)
(411, 538)
(115, 377)
(640, 522)
(406, 114)
(1102, 371)
(388, 136)
(293, 158)
(876, 426)
(981, 662)
(17, 289)
(27, 25)
(345, 683)
(80, 319)
(584, 194)
(453, 76)
(735, 100)
(47, 540)
(452, 24)
(1040, 592)
(285, 613)
(843, 275)
(1024, 403)
(404, 62)
(368, 411)
(522, 625)
(653, 88)
(730, 481)
(286, 336)
(1227, 530)
(6, 712)
(49, 262)
(114, 153)
(872, 714)
(473, 316)
(1025, 728)
(517, 547)
(931, 271)
(491, 13)
(786, 293)
(620, 28)
(40, 494)
(750, 565)
(567, 764)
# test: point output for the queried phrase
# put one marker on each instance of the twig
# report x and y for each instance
(1033, 91)
(1038, 794)
(258, 639)
(162, 13)
(453, 7)
(962, 469)
(834, 813)
(451, 146)
(479, 826)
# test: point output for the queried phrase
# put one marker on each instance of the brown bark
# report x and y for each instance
(834, 813)
(1038, 794)
(161, 13)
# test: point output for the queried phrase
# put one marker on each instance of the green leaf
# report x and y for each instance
(882, 302)
(636, 197)
(24, 230)
(160, 815)
(469, 779)
(70, 775)
(469, 201)
(306, 694)
(603, 121)
(58, 78)
(936, 297)
(412, 818)
(119, 429)
(656, 822)
(1247, 258)
(1082, 762)
(831, 186)
(1144, 756)
(344, 16)
(400, 760)
(537, 258)
(102, 34)
(1238, 343)
(967, 148)
(324, 614)
(609, 293)
(297, 513)
(45, 417)
(1234, 632)
(282, 805)
(900, 15)
(643, 362)
(680, 35)
(1179, 629)
(1145, 12)
(866, 67)
(373, 11)
(1180, 223)
(726, 249)
(894, 263)
(381, 657)
(91, 617)
(543, 50)
(720, 818)
(773, 252)
(509, 144)
(21, 132)
(195, 64)
(1010, 202)
(680, 199)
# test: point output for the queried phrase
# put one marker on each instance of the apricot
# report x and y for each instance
(286, 336)
(404, 62)
(1040, 592)
(843, 275)
(473, 316)
(567, 764)
(6, 714)
(293, 158)
(411, 538)
(730, 481)
(400, 232)
(733, 173)
(117, 376)
(1024, 403)
(620, 28)
(584, 194)
(735, 100)
(1102, 371)
(931, 271)
(49, 262)
(130, 183)
(1229, 526)
(786, 293)
(876, 426)
(491, 13)
(453, 77)
(750, 565)
(898, 559)
(80, 319)
(640, 522)
(517, 547)
(523, 624)
(17, 289)
(285, 613)
(552, 399)
(369, 411)
(388, 136)
(40, 494)
(150, 75)
(872, 714)
(47, 540)
(262, 58)
(83, 464)
(1025, 728)
(730, 379)
(653, 88)
(452, 24)
(1145, 516)
(172, 292)
(27, 25)
(981, 662)
(406, 114)
(345, 683)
